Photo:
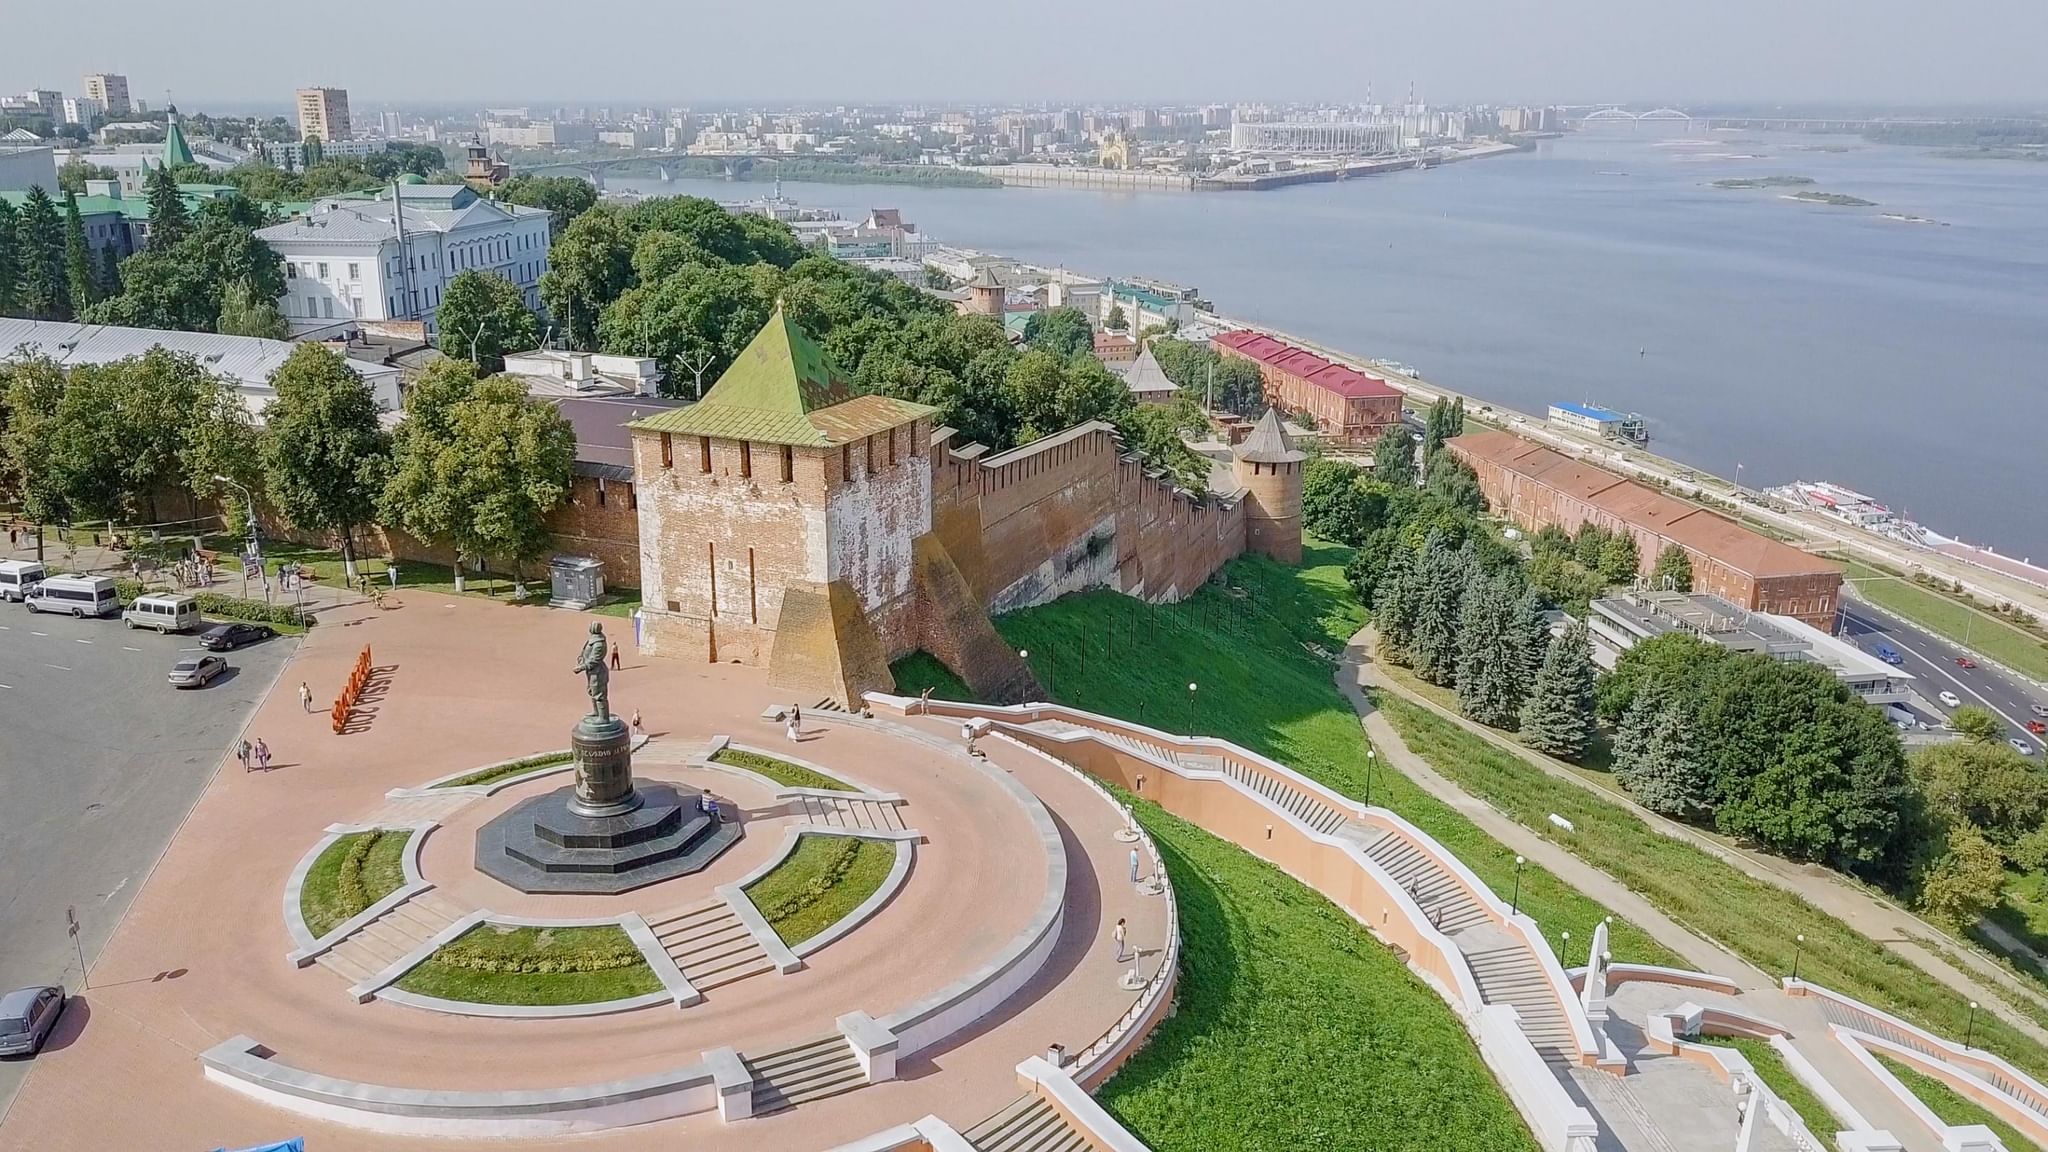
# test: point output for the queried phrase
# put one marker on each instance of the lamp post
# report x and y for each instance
(1798, 946)
(1565, 949)
(255, 540)
(1370, 756)
(1191, 709)
(1024, 654)
(1970, 1036)
(1515, 903)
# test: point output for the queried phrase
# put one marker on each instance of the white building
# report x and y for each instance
(24, 168)
(81, 110)
(364, 259)
(323, 114)
(110, 90)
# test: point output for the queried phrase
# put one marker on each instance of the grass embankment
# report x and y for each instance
(817, 885)
(1945, 615)
(507, 770)
(781, 771)
(1294, 1028)
(1261, 653)
(354, 872)
(493, 964)
(1952, 1106)
(1770, 1067)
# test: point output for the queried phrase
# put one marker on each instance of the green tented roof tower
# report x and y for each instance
(176, 151)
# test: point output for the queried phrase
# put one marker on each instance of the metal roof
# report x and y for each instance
(1590, 411)
(1269, 443)
(1146, 378)
(244, 361)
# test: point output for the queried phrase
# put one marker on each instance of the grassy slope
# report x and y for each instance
(1261, 653)
(1771, 1067)
(534, 988)
(1951, 618)
(781, 771)
(813, 855)
(1294, 1028)
(1953, 1107)
(320, 899)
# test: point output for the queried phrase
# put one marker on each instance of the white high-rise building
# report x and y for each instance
(111, 90)
(353, 260)
(323, 114)
(81, 110)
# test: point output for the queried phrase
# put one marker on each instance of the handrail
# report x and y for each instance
(2002, 1075)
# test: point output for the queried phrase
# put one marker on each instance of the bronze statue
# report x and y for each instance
(596, 677)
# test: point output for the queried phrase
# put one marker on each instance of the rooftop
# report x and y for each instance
(1328, 375)
(1268, 443)
(604, 442)
(1726, 625)
(1146, 379)
(1590, 411)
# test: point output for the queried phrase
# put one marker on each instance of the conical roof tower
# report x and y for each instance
(176, 151)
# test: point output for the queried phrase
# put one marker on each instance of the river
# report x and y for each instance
(1800, 341)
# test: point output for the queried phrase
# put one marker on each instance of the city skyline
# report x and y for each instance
(1582, 51)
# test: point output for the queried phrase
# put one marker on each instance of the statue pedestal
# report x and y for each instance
(604, 768)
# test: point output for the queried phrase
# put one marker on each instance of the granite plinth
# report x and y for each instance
(545, 846)
(604, 768)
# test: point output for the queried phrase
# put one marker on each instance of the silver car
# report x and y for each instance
(196, 671)
(26, 1017)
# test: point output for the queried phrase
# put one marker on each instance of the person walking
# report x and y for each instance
(798, 714)
(305, 696)
(615, 655)
(262, 755)
(637, 727)
(790, 729)
(1134, 865)
(1118, 935)
(391, 572)
(242, 752)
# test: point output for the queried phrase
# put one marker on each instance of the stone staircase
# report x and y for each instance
(806, 1072)
(1027, 1124)
(377, 945)
(1435, 891)
(417, 809)
(1853, 1018)
(710, 945)
(1320, 817)
(1510, 974)
(850, 811)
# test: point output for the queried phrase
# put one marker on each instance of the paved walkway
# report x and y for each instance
(1980, 978)
(1760, 991)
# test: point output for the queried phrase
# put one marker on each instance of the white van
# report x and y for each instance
(16, 576)
(81, 596)
(162, 611)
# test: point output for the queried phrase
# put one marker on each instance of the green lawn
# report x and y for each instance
(353, 873)
(820, 883)
(326, 565)
(1945, 615)
(618, 602)
(1261, 651)
(1951, 1106)
(2022, 910)
(779, 770)
(1294, 1029)
(1771, 1068)
(503, 771)
(491, 964)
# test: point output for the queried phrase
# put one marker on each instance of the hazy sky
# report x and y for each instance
(219, 52)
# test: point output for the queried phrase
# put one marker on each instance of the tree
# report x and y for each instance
(1396, 599)
(242, 314)
(1977, 725)
(326, 457)
(1493, 673)
(700, 313)
(1965, 881)
(1393, 456)
(1436, 428)
(1117, 321)
(1986, 785)
(1657, 759)
(33, 394)
(1446, 574)
(168, 220)
(1674, 569)
(1557, 718)
(110, 272)
(485, 316)
(1450, 480)
(589, 266)
(43, 291)
(565, 197)
(80, 280)
(1619, 560)
(10, 257)
(1063, 332)
(183, 284)
(74, 173)
(1047, 394)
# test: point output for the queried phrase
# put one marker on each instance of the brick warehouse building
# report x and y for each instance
(1343, 402)
(1536, 487)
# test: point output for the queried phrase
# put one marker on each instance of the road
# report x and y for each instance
(100, 760)
(1933, 661)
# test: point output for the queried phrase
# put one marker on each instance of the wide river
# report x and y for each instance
(1801, 341)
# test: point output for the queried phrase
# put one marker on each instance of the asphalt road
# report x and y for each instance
(1933, 662)
(100, 760)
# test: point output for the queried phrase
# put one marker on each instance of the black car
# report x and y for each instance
(227, 637)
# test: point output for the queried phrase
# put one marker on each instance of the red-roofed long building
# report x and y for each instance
(1536, 487)
(1342, 402)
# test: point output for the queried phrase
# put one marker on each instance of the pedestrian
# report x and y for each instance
(636, 723)
(790, 729)
(13, 538)
(615, 655)
(305, 696)
(262, 755)
(242, 753)
(391, 571)
(1134, 865)
(798, 717)
(1118, 935)
(924, 698)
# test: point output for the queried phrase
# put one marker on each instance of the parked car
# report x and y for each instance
(1886, 653)
(26, 1017)
(2021, 746)
(228, 637)
(1951, 699)
(1965, 662)
(196, 671)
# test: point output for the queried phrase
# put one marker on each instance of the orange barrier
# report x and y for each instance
(358, 679)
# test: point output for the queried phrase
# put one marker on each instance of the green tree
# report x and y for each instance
(1436, 428)
(79, 278)
(1965, 880)
(590, 265)
(1977, 725)
(242, 314)
(10, 258)
(1444, 577)
(1393, 456)
(701, 313)
(1047, 395)
(169, 222)
(1674, 569)
(33, 395)
(1116, 321)
(1986, 785)
(326, 457)
(1063, 332)
(43, 291)
(484, 316)
(1493, 674)
(74, 173)
(1450, 480)
(1657, 759)
(184, 284)
(565, 197)
(1557, 718)
(121, 433)
(1619, 559)
(110, 272)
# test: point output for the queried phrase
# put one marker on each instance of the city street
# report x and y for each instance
(100, 759)
(1933, 662)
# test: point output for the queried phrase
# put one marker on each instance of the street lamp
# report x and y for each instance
(1515, 904)
(1370, 756)
(1798, 945)
(1191, 709)
(1565, 949)
(255, 539)
(1970, 1037)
